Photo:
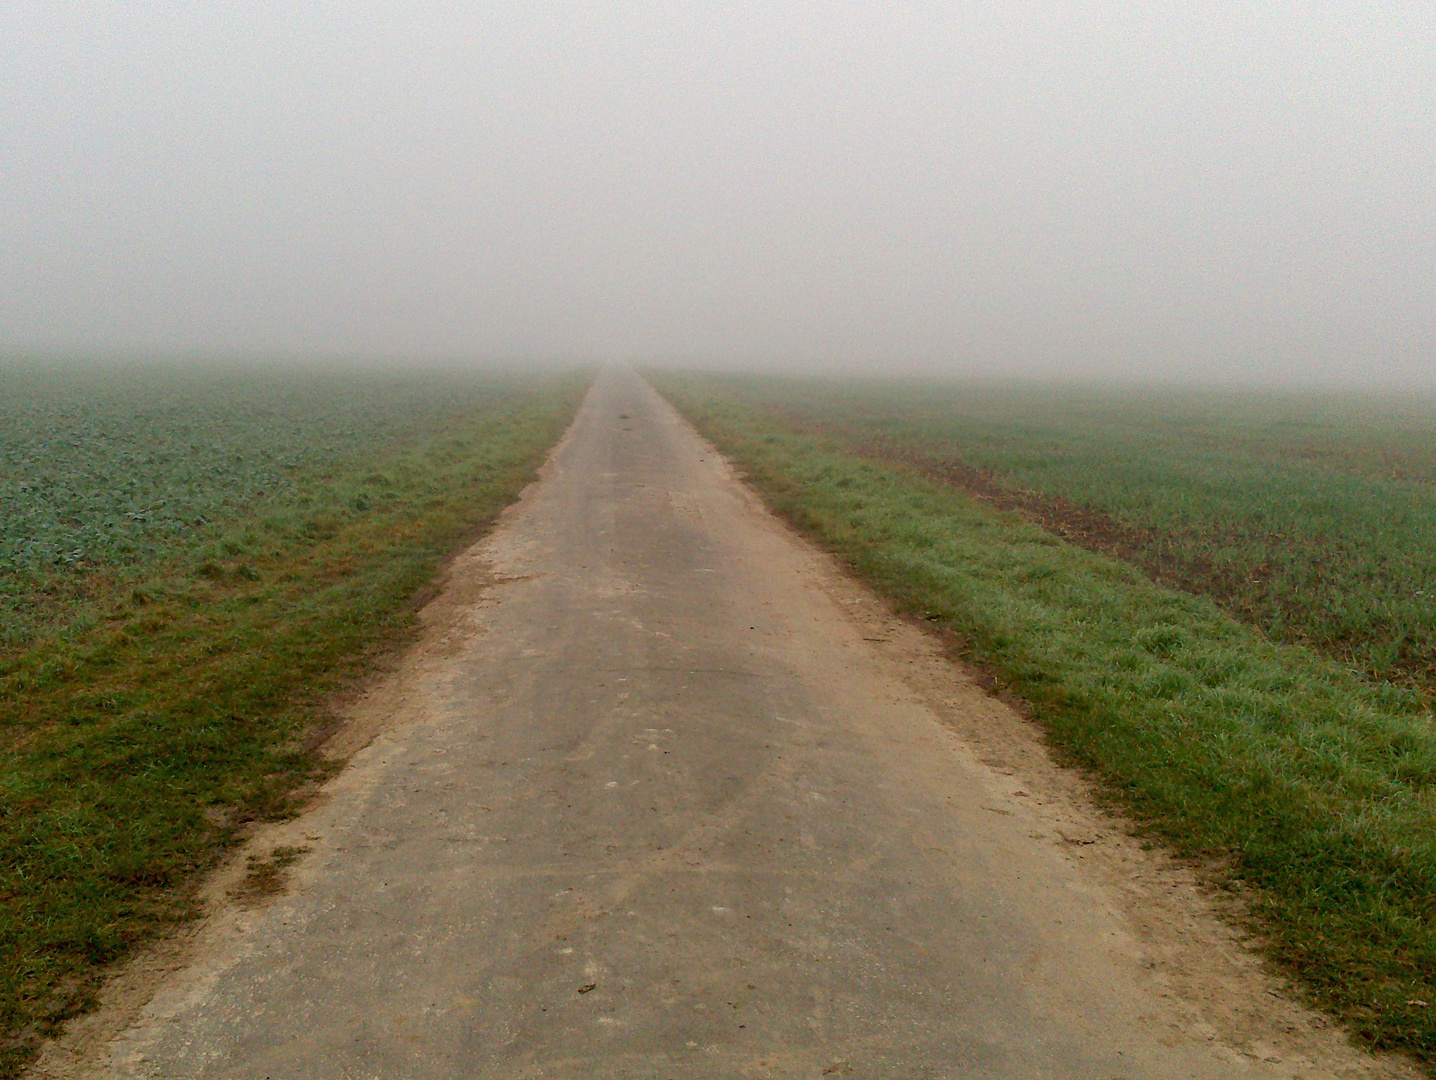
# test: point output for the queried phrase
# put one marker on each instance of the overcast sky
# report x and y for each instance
(1144, 189)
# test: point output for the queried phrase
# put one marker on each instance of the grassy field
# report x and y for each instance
(190, 562)
(1287, 747)
(1310, 516)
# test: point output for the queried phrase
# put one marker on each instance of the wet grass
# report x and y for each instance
(1306, 783)
(165, 699)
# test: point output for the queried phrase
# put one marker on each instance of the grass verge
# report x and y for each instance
(138, 741)
(1279, 769)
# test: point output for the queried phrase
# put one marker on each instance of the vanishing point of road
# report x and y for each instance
(648, 800)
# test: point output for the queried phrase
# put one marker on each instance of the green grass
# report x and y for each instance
(169, 685)
(1311, 784)
(1310, 516)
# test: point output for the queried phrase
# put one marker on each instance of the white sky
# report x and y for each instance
(1134, 189)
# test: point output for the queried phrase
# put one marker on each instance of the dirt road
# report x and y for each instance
(661, 794)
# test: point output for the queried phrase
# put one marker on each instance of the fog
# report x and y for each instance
(1133, 190)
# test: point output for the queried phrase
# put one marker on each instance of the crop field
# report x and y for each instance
(191, 562)
(1219, 606)
(102, 474)
(1312, 517)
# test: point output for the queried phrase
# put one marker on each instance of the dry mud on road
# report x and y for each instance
(661, 793)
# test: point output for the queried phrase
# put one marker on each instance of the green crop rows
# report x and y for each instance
(108, 467)
(107, 470)
(1311, 516)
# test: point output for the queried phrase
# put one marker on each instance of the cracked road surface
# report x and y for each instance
(648, 801)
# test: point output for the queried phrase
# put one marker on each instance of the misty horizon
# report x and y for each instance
(1061, 191)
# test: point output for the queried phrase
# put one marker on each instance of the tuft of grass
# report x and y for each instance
(165, 701)
(264, 875)
(1310, 785)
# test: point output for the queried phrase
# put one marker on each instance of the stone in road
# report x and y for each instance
(649, 805)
